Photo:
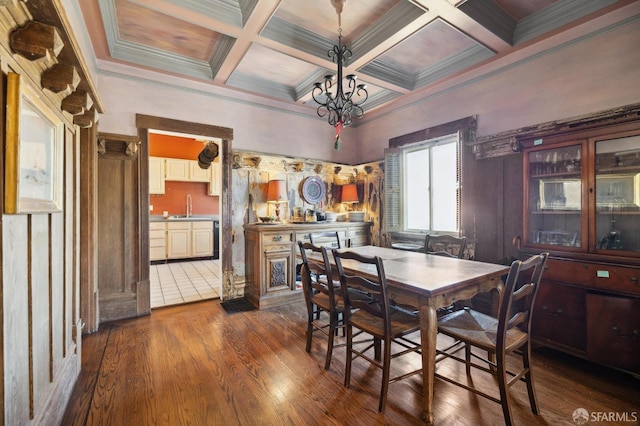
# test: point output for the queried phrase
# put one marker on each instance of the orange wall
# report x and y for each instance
(174, 199)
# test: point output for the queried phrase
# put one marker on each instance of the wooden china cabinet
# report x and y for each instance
(582, 204)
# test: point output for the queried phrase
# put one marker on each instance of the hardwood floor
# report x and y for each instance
(196, 364)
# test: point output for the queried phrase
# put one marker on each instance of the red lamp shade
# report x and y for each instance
(349, 193)
(277, 191)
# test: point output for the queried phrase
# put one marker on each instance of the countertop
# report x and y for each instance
(183, 218)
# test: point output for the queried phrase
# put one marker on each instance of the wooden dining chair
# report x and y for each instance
(330, 239)
(375, 317)
(499, 337)
(445, 245)
(320, 295)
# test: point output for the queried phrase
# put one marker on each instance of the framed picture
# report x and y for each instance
(33, 156)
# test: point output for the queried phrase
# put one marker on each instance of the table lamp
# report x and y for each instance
(276, 194)
(349, 194)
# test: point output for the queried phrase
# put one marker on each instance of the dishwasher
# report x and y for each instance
(216, 239)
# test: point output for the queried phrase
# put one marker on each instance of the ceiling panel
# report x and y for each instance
(138, 24)
(276, 49)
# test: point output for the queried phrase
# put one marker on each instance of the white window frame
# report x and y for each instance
(395, 193)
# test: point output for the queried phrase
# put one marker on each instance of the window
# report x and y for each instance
(422, 186)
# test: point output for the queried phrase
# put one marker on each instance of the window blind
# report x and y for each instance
(393, 188)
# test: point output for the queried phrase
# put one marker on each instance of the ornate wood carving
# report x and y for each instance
(506, 143)
(278, 273)
(241, 160)
(88, 119)
(77, 103)
(60, 78)
(132, 149)
(36, 40)
(113, 144)
(102, 146)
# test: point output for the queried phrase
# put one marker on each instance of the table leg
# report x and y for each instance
(428, 338)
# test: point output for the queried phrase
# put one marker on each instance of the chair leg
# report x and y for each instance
(386, 367)
(310, 315)
(501, 374)
(376, 348)
(333, 330)
(467, 358)
(347, 366)
(526, 360)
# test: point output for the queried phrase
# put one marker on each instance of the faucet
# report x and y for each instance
(189, 205)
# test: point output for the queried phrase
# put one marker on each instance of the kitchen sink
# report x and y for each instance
(185, 217)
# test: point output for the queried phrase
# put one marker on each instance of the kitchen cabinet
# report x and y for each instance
(198, 174)
(271, 257)
(156, 175)
(201, 239)
(180, 239)
(582, 204)
(215, 180)
(176, 169)
(157, 241)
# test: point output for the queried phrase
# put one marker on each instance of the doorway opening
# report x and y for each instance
(195, 204)
(184, 219)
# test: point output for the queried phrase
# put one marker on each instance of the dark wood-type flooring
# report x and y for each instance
(197, 365)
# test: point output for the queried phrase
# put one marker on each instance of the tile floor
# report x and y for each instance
(182, 282)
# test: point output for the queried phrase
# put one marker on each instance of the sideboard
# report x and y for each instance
(271, 257)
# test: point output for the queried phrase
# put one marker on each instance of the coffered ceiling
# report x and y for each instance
(274, 50)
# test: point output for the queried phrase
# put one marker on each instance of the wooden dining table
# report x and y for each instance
(429, 282)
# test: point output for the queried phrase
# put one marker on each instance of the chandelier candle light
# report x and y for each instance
(336, 103)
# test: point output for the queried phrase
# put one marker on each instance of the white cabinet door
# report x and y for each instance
(197, 174)
(177, 169)
(202, 239)
(178, 240)
(215, 182)
(156, 175)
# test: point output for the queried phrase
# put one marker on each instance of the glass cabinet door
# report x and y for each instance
(554, 203)
(617, 194)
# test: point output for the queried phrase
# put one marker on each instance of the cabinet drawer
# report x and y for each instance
(157, 226)
(157, 242)
(593, 275)
(614, 331)
(358, 241)
(178, 225)
(202, 225)
(157, 233)
(358, 233)
(559, 315)
(277, 238)
(157, 253)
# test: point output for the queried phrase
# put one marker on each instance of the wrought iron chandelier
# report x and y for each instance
(336, 103)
